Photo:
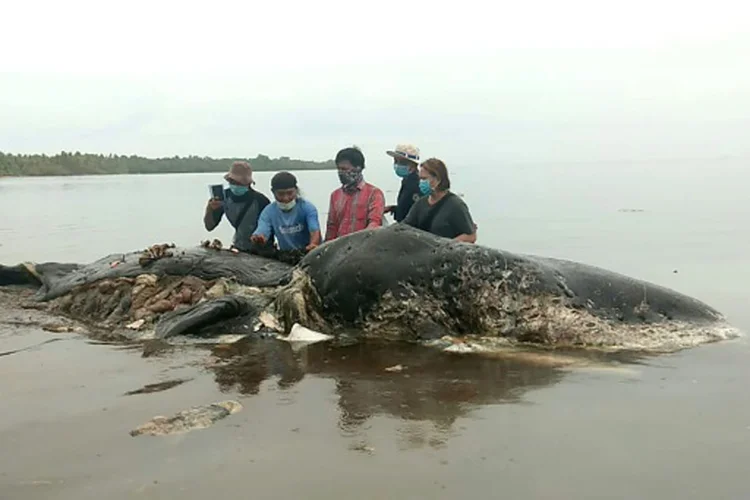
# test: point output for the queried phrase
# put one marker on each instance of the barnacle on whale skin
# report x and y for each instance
(155, 252)
(213, 245)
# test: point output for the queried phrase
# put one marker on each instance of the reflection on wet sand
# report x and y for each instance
(429, 385)
(424, 389)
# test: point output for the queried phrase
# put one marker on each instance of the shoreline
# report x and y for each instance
(255, 170)
(78, 164)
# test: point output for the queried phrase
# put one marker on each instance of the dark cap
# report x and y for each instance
(283, 180)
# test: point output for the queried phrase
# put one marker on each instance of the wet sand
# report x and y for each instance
(328, 422)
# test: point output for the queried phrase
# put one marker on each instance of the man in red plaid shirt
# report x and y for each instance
(356, 205)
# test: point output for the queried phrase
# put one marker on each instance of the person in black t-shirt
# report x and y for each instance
(405, 163)
(242, 206)
(440, 212)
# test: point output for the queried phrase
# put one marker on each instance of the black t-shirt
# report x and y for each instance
(407, 195)
(242, 212)
(450, 216)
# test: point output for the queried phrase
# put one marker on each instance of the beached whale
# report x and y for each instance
(391, 283)
(176, 290)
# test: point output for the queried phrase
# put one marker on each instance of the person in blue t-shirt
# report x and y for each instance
(292, 220)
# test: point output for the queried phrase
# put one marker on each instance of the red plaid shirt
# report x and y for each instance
(349, 212)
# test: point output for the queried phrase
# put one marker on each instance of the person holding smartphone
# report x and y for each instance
(240, 203)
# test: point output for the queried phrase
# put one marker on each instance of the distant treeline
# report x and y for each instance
(91, 164)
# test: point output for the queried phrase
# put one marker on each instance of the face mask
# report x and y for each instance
(238, 190)
(349, 178)
(401, 170)
(287, 206)
(424, 186)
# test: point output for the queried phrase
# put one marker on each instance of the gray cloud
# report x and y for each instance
(484, 105)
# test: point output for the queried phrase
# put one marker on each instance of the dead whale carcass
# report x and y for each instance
(178, 290)
(400, 282)
(390, 283)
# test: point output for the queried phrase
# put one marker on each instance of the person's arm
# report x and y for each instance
(313, 225)
(264, 230)
(462, 221)
(467, 238)
(264, 203)
(213, 214)
(314, 239)
(375, 210)
(332, 223)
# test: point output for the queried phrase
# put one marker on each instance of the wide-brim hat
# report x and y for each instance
(240, 172)
(405, 152)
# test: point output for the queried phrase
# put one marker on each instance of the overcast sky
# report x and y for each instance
(484, 82)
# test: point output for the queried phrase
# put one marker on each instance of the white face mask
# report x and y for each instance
(287, 206)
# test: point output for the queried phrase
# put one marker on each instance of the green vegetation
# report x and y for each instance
(91, 164)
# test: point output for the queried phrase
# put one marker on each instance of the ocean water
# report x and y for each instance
(691, 215)
(327, 424)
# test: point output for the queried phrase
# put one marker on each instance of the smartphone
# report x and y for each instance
(217, 191)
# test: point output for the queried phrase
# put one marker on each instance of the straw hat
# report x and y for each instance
(241, 173)
(405, 152)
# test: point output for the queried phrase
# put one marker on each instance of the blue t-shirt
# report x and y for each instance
(292, 229)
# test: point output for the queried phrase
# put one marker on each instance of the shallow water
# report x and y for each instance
(333, 422)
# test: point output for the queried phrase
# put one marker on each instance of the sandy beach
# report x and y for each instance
(329, 422)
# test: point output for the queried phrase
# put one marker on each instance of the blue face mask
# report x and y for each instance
(401, 170)
(238, 190)
(424, 186)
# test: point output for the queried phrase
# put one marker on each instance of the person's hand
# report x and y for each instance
(214, 204)
(389, 209)
(258, 238)
(311, 246)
